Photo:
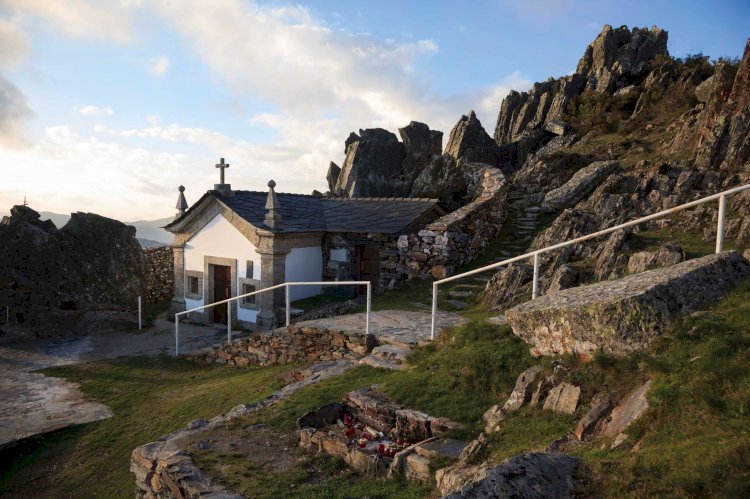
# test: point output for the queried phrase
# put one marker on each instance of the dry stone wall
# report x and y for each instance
(295, 344)
(459, 237)
(159, 278)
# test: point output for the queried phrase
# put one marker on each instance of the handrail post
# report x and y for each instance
(434, 309)
(288, 302)
(720, 224)
(535, 284)
(176, 335)
(140, 315)
(369, 308)
(229, 322)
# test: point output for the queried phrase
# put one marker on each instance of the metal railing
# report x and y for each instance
(286, 285)
(722, 197)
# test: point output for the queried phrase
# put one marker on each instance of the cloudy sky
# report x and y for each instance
(108, 106)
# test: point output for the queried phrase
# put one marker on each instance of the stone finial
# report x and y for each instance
(273, 215)
(221, 187)
(182, 205)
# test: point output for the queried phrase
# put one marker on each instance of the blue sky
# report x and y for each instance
(107, 106)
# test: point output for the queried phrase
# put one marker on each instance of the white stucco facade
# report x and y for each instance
(219, 238)
(304, 264)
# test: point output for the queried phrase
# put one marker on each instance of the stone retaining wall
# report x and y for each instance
(459, 237)
(159, 279)
(295, 344)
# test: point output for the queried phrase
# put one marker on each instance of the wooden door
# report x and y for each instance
(222, 291)
(368, 259)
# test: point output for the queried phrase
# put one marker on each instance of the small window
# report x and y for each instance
(193, 285)
(249, 288)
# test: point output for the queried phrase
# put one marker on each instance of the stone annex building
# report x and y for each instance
(233, 242)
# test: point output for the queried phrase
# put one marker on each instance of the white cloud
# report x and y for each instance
(13, 44)
(322, 83)
(160, 66)
(103, 19)
(14, 111)
(91, 110)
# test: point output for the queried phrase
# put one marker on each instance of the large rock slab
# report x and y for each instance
(528, 475)
(580, 184)
(624, 315)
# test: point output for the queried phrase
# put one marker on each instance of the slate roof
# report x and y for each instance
(305, 213)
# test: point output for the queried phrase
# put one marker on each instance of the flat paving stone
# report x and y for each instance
(392, 327)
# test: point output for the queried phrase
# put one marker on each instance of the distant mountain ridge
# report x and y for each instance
(148, 232)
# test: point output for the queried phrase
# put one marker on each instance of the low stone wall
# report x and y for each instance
(159, 279)
(295, 344)
(459, 237)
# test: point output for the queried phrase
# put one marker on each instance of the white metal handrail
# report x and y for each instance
(285, 285)
(535, 254)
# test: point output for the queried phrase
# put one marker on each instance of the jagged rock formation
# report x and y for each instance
(620, 56)
(332, 176)
(92, 262)
(625, 315)
(469, 141)
(372, 167)
(617, 58)
(718, 128)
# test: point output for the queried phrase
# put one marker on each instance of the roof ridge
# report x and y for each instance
(392, 198)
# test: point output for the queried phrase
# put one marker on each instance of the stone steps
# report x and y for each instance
(461, 294)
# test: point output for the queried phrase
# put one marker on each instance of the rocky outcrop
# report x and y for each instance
(378, 165)
(373, 166)
(622, 316)
(580, 184)
(619, 56)
(441, 179)
(332, 176)
(421, 145)
(93, 262)
(718, 129)
(469, 141)
(616, 58)
(545, 169)
(528, 475)
(522, 112)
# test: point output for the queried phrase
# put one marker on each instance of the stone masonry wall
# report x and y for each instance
(159, 282)
(459, 237)
(295, 344)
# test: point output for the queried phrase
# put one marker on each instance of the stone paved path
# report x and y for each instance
(32, 403)
(392, 327)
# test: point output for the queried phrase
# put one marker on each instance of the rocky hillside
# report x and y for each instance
(631, 132)
(49, 275)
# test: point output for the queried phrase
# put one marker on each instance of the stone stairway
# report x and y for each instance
(523, 211)
(524, 215)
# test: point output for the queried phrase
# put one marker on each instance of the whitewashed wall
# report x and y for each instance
(221, 239)
(304, 264)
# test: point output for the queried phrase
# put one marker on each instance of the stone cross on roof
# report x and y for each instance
(221, 186)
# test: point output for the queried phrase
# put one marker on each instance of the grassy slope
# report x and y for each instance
(693, 441)
(149, 397)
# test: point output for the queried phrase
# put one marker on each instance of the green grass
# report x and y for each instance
(316, 476)
(149, 397)
(695, 439)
